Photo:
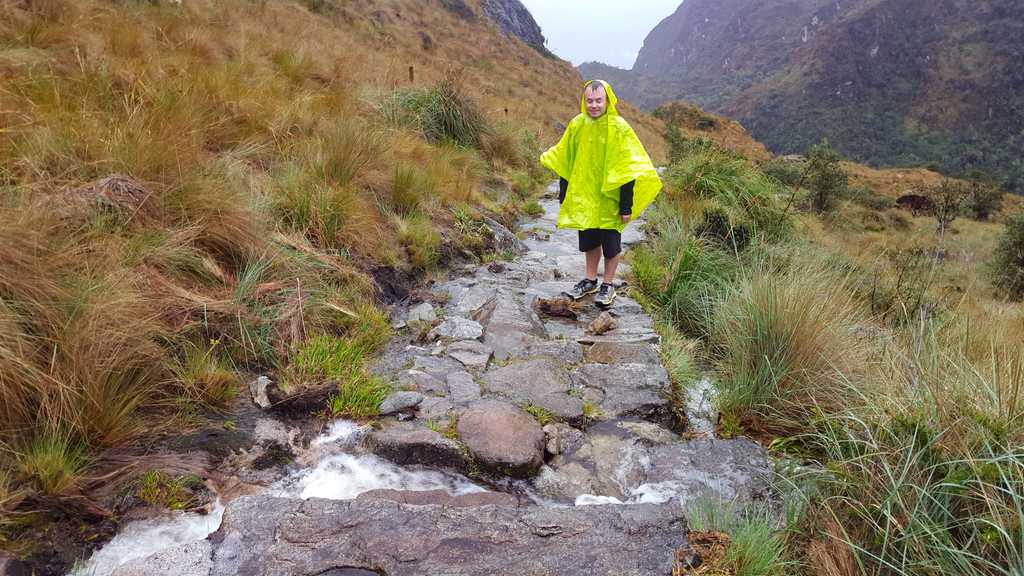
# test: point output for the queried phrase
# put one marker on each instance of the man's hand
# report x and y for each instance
(626, 218)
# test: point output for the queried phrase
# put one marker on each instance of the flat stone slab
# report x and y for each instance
(405, 443)
(639, 390)
(502, 438)
(622, 353)
(462, 388)
(471, 353)
(398, 401)
(542, 382)
(264, 536)
(457, 328)
(441, 498)
(422, 382)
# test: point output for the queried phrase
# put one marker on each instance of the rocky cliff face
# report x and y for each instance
(513, 18)
(896, 82)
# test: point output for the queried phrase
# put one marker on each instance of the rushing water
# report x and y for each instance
(146, 537)
(337, 474)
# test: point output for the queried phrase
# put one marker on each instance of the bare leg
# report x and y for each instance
(593, 258)
(610, 265)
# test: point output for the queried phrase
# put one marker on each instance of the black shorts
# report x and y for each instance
(610, 241)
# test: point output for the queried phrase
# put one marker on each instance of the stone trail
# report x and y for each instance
(472, 400)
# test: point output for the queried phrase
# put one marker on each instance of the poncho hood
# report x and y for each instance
(609, 95)
(597, 156)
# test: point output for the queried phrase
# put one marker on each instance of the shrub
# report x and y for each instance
(1007, 266)
(733, 186)
(205, 377)
(755, 546)
(826, 179)
(787, 172)
(53, 462)
(443, 114)
(948, 199)
(984, 196)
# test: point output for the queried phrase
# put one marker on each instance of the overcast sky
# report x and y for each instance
(609, 31)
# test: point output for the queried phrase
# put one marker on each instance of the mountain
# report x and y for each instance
(888, 82)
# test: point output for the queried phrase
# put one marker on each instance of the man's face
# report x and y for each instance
(595, 100)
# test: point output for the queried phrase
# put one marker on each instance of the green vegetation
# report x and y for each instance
(756, 547)
(158, 488)
(1007, 266)
(542, 415)
(825, 177)
(902, 414)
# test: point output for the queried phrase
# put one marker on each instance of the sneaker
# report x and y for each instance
(582, 288)
(605, 296)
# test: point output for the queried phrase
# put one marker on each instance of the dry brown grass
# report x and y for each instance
(251, 162)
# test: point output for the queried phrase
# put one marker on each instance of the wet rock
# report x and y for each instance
(441, 498)
(263, 535)
(639, 390)
(11, 566)
(502, 438)
(258, 390)
(542, 382)
(462, 389)
(561, 437)
(421, 314)
(622, 353)
(457, 328)
(407, 443)
(472, 354)
(422, 382)
(193, 559)
(399, 401)
(634, 461)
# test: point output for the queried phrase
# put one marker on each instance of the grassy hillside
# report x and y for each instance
(194, 194)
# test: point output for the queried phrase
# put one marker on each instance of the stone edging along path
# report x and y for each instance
(472, 400)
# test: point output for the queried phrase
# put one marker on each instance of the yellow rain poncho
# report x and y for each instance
(598, 156)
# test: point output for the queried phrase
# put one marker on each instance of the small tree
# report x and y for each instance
(948, 199)
(825, 177)
(1007, 265)
(984, 197)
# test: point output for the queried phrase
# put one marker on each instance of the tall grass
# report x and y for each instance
(756, 544)
(786, 348)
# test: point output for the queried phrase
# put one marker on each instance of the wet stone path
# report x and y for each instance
(566, 433)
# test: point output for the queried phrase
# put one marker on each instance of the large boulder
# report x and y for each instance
(502, 438)
(407, 443)
(263, 536)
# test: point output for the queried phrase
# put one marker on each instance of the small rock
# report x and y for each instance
(502, 438)
(496, 267)
(504, 239)
(472, 354)
(421, 314)
(11, 566)
(421, 382)
(462, 389)
(457, 328)
(258, 389)
(434, 408)
(561, 437)
(604, 323)
(400, 401)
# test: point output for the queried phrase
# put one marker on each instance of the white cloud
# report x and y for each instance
(609, 31)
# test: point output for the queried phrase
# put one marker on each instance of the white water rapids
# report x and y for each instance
(336, 475)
